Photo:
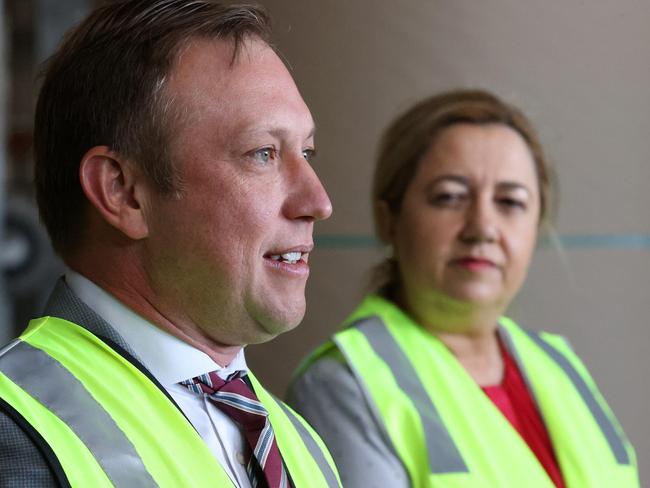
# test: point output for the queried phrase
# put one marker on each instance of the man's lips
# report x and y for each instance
(292, 260)
(295, 253)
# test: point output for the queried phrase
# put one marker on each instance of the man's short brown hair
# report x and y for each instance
(105, 86)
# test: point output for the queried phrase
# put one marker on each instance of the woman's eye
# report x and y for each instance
(309, 154)
(265, 154)
(448, 199)
(512, 203)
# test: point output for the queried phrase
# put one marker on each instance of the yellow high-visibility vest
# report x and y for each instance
(108, 424)
(448, 433)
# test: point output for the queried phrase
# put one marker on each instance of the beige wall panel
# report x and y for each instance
(580, 69)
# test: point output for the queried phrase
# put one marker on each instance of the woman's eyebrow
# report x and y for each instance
(462, 180)
(513, 185)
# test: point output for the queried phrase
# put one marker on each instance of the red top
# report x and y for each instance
(513, 399)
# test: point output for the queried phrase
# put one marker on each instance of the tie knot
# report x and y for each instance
(228, 394)
(237, 400)
(210, 383)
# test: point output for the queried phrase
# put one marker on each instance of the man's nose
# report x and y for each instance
(307, 197)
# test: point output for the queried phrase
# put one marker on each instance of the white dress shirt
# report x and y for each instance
(170, 361)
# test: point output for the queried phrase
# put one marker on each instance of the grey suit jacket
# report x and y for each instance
(331, 399)
(23, 462)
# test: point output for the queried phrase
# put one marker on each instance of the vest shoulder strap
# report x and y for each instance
(80, 413)
(304, 453)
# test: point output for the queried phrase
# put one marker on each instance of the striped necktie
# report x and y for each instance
(239, 402)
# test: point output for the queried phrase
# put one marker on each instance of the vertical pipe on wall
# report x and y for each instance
(27, 263)
(5, 326)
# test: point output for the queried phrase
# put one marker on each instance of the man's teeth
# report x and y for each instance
(289, 257)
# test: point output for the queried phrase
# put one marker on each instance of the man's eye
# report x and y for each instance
(265, 154)
(309, 154)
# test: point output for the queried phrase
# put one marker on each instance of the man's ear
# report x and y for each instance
(115, 188)
(385, 222)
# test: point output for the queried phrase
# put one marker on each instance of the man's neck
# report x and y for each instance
(131, 291)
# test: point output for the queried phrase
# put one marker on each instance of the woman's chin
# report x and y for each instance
(479, 296)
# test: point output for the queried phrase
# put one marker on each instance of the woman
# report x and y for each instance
(428, 384)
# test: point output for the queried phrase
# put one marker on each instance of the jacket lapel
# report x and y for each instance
(63, 303)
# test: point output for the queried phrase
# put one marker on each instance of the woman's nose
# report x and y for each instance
(481, 224)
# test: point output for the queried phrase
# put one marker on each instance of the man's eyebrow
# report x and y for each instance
(278, 132)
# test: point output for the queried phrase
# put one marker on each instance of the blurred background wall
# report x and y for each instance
(581, 71)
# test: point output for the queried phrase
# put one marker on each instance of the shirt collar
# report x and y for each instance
(169, 359)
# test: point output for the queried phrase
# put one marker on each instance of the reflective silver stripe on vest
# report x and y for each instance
(603, 421)
(444, 456)
(311, 446)
(59, 391)
(509, 344)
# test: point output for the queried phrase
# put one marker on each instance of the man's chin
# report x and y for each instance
(274, 312)
(271, 325)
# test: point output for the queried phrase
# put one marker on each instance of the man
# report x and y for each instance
(172, 171)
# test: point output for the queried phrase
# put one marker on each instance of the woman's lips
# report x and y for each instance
(475, 264)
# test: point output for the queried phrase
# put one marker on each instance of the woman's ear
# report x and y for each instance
(385, 222)
(114, 187)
